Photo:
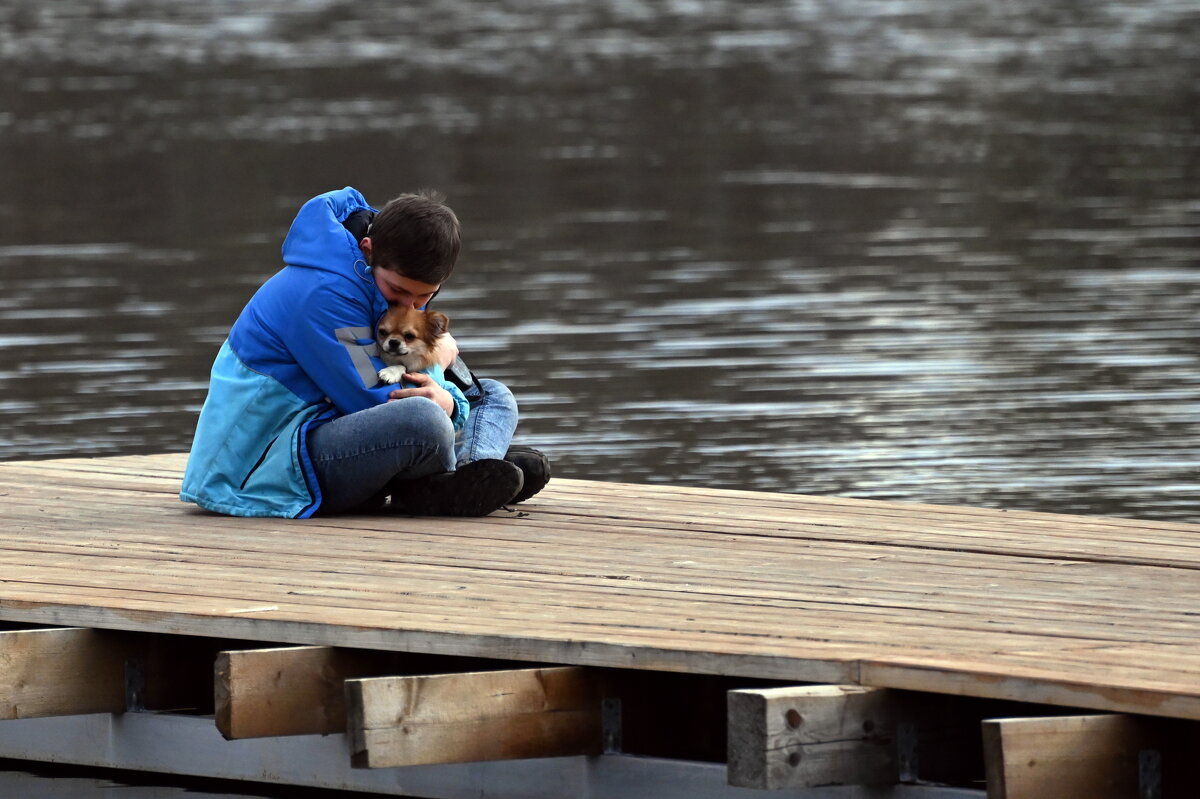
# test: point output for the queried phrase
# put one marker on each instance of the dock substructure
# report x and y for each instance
(600, 640)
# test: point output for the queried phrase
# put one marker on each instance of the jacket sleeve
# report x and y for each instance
(462, 408)
(333, 342)
(331, 338)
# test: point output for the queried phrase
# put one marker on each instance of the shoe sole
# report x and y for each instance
(535, 468)
(476, 489)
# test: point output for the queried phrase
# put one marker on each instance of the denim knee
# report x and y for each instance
(421, 414)
(498, 395)
(421, 419)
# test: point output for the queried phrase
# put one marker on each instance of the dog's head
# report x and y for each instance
(408, 337)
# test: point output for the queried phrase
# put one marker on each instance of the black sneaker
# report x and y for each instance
(534, 466)
(476, 489)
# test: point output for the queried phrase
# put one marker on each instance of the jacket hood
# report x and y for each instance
(317, 239)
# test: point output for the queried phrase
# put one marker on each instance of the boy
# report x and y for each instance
(295, 421)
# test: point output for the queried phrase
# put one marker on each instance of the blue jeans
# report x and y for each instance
(356, 455)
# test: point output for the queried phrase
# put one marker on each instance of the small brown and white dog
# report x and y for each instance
(409, 341)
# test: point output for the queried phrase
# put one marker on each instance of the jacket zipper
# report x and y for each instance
(258, 463)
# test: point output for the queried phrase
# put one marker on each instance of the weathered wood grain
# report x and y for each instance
(1077, 611)
(298, 690)
(1094, 756)
(61, 672)
(459, 718)
(809, 736)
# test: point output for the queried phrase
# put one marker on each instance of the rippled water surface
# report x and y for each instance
(933, 251)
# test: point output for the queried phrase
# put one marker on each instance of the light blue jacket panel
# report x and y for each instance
(301, 353)
(248, 456)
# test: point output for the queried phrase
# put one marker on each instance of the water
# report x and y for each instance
(930, 251)
(939, 252)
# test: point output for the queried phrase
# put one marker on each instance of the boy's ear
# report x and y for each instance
(439, 323)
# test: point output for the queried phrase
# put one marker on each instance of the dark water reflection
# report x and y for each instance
(943, 252)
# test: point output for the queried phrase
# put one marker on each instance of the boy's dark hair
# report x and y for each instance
(417, 236)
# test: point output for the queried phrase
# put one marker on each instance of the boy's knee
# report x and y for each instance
(421, 416)
(496, 393)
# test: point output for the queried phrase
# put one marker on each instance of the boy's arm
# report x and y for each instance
(434, 376)
(334, 343)
(462, 408)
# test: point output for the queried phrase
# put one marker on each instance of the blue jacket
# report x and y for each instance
(301, 353)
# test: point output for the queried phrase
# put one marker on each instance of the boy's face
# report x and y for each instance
(400, 290)
(395, 287)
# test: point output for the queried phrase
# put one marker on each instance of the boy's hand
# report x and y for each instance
(426, 387)
(449, 349)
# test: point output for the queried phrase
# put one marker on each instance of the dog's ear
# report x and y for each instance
(439, 323)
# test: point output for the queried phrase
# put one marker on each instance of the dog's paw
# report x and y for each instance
(391, 374)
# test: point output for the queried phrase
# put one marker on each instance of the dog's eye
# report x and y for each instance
(381, 332)
(410, 336)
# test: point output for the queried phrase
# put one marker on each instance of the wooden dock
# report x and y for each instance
(739, 630)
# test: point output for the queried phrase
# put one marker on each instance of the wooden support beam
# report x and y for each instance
(472, 717)
(61, 672)
(808, 736)
(1094, 756)
(294, 690)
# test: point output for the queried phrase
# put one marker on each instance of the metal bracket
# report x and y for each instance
(135, 685)
(610, 725)
(906, 752)
(1149, 774)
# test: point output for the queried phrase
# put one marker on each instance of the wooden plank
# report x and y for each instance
(1091, 755)
(523, 559)
(810, 736)
(526, 559)
(67, 671)
(300, 690)
(1181, 623)
(297, 690)
(715, 503)
(751, 584)
(652, 577)
(787, 510)
(1041, 679)
(61, 672)
(181, 580)
(929, 531)
(580, 600)
(1173, 626)
(109, 577)
(1094, 756)
(934, 689)
(480, 716)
